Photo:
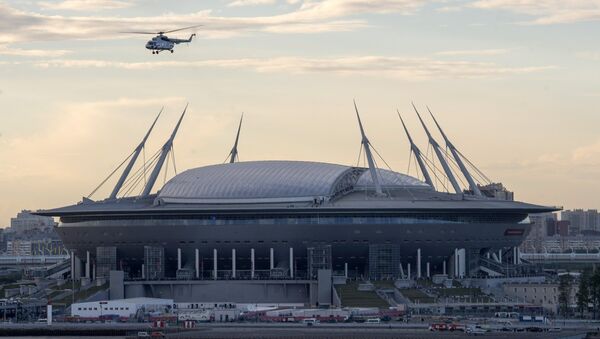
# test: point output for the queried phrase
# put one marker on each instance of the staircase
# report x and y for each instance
(495, 269)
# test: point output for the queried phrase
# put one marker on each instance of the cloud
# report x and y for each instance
(381, 66)
(473, 52)
(12, 51)
(42, 167)
(73, 129)
(242, 3)
(546, 11)
(587, 154)
(592, 56)
(84, 5)
(314, 16)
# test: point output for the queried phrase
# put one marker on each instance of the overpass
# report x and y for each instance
(40, 260)
(561, 257)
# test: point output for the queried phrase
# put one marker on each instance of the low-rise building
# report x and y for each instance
(121, 307)
(19, 247)
(542, 294)
(25, 221)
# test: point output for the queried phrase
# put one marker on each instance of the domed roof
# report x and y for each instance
(272, 181)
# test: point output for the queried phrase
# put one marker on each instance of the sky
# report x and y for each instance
(514, 83)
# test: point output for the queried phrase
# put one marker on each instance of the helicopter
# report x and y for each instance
(161, 42)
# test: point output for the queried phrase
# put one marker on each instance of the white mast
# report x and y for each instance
(234, 151)
(366, 144)
(136, 153)
(458, 159)
(438, 152)
(417, 153)
(163, 155)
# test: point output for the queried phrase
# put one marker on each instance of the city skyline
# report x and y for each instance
(513, 83)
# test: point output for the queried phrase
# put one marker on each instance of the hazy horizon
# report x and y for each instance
(515, 85)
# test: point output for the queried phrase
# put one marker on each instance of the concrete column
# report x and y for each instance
(418, 263)
(77, 266)
(428, 275)
(462, 262)
(444, 267)
(94, 271)
(72, 265)
(408, 270)
(215, 264)
(48, 314)
(271, 259)
(487, 255)
(515, 255)
(143, 271)
(252, 263)
(197, 261)
(346, 270)
(291, 262)
(179, 258)
(233, 263)
(456, 262)
(500, 255)
(87, 264)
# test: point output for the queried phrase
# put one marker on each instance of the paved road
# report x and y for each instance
(350, 333)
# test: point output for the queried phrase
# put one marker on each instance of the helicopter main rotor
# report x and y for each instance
(163, 32)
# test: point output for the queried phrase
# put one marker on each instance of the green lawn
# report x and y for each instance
(352, 297)
(384, 283)
(417, 296)
(81, 295)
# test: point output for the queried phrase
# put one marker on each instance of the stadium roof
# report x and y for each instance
(271, 181)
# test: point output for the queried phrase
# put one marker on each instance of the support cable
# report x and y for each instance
(173, 156)
(139, 170)
(138, 175)
(167, 167)
(144, 163)
(410, 155)
(135, 181)
(475, 168)
(110, 175)
(359, 154)
(435, 171)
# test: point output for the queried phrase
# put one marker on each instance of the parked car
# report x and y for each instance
(475, 330)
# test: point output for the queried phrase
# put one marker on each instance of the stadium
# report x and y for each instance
(289, 219)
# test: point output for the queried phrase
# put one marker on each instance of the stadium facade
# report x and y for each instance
(285, 219)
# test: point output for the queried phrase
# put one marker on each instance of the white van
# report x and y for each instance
(310, 321)
(373, 321)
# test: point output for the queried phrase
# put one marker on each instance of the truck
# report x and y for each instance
(534, 319)
(446, 327)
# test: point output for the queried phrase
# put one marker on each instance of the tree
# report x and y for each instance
(564, 293)
(583, 295)
(594, 288)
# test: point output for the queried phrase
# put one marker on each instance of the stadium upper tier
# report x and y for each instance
(275, 181)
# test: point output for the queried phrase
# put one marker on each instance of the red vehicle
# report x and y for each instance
(446, 327)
